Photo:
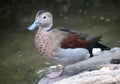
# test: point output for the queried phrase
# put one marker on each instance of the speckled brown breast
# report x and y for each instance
(42, 42)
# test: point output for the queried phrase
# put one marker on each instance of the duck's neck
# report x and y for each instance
(39, 30)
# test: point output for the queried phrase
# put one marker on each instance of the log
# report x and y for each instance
(103, 68)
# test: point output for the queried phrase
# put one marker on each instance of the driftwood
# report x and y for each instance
(103, 68)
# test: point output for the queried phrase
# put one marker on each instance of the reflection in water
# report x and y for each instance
(18, 57)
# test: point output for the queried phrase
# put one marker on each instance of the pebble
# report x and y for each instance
(107, 20)
(105, 69)
(53, 67)
(47, 63)
(59, 65)
(102, 18)
(40, 71)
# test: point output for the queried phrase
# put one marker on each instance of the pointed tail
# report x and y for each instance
(103, 47)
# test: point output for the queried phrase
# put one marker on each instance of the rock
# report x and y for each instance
(105, 69)
(95, 70)
(94, 77)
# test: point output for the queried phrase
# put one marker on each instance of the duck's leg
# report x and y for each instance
(56, 74)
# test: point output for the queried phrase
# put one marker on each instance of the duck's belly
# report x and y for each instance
(71, 56)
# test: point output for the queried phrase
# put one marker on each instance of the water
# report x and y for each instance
(19, 61)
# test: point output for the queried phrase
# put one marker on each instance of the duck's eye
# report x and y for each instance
(44, 17)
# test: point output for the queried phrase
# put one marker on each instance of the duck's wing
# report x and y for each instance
(82, 35)
(75, 39)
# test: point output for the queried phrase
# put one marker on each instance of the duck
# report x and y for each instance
(61, 45)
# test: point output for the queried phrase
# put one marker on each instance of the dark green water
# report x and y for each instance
(19, 61)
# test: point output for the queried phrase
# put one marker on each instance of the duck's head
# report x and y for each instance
(43, 19)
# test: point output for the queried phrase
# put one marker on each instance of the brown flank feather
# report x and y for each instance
(74, 41)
